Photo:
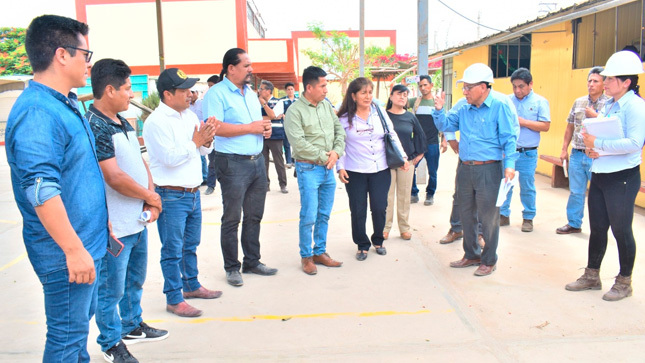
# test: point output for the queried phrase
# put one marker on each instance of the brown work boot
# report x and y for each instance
(451, 237)
(504, 220)
(324, 259)
(590, 280)
(527, 225)
(308, 266)
(622, 288)
(202, 293)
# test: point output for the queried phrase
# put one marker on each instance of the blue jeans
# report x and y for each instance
(121, 283)
(69, 308)
(579, 176)
(204, 168)
(287, 151)
(180, 231)
(317, 186)
(432, 160)
(244, 189)
(525, 165)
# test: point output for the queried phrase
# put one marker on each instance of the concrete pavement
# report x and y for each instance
(405, 306)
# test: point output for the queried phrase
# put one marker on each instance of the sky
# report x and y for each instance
(445, 28)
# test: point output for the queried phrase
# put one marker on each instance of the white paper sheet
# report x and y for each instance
(504, 187)
(606, 128)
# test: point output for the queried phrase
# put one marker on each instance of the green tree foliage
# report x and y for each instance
(13, 57)
(338, 56)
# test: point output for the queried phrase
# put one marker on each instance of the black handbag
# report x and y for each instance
(392, 153)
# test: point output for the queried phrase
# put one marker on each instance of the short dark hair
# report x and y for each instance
(522, 74)
(311, 76)
(213, 79)
(596, 70)
(268, 85)
(113, 72)
(426, 77)
(290, 84)
(47, 33)
(231, 57)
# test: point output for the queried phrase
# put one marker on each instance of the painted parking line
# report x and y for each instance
(14, 261)
(251, 318)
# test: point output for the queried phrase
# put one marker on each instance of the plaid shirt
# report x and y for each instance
(577, 115)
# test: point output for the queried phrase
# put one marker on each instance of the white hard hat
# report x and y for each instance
(478, 72)
(623, 63)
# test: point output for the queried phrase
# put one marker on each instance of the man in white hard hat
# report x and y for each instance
(489, 126)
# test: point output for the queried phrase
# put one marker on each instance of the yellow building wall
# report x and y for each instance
(553, 78)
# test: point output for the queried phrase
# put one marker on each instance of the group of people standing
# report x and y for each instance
(93, 169)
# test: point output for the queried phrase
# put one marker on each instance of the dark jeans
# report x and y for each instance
(431, 157)
(477, 194)
(455, 219)
(211, 179)
(275, 146)
(287, 151)
(360, 185)
(611, 204)
(244, 189)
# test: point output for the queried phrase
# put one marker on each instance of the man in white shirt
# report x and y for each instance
(175, 139)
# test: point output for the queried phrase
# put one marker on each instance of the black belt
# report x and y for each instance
(578, 150)
(523, 149)
(238, 156)
(475, 162)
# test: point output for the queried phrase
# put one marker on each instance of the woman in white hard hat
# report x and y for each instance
(615, 178)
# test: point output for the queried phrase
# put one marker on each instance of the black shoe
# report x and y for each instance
(234, 278)
(119, 354)
(429, 200)
(361, 255)
(260, 269)
(381, 250)
(414, 199)
(145, 333)
(209, 191)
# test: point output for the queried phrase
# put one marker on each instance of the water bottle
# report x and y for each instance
(145, 216)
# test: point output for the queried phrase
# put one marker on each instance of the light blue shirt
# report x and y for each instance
(630, 109)
(533, 107)
(487, 132)
(450, 136)
(227, 103)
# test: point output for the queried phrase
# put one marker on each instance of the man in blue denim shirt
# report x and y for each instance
(58, 184)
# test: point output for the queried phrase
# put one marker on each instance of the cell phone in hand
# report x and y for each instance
(114, 246)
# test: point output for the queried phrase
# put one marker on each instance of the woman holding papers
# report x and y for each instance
(615, 178)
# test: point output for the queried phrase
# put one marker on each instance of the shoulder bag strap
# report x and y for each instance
(380, 115)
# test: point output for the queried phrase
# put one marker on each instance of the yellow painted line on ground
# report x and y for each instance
(8, 222)
(15, 261)
(275, 222)
(303, 316)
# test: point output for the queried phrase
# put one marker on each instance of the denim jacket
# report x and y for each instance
(50, 149)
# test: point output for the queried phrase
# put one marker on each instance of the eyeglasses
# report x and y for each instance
(468, 87)
(88, 53)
